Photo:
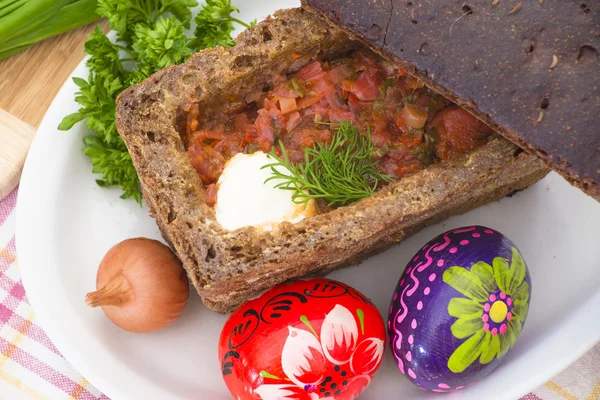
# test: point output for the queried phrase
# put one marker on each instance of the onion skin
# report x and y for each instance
(141, 285)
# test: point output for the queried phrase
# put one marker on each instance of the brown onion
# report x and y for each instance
(414, 115)
(141, 285)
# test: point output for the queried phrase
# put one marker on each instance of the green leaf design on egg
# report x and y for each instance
(491, 315)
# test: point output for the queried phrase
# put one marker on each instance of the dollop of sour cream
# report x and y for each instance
(244, 199)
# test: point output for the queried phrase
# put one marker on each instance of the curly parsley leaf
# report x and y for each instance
(181, 9)
(114, 165)
(124, 15)
(137, 75)
(162, 45)
(214, 25)
(150, 37)
(106, 150)
(104, 55)
(96, 96)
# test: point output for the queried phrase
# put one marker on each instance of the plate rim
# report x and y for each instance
(27, 191)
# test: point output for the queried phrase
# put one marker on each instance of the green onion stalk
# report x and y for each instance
(25, 22)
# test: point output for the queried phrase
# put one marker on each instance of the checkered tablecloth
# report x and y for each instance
(31, 367)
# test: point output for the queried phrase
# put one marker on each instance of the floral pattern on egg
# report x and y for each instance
(459, 308)
(306, 340)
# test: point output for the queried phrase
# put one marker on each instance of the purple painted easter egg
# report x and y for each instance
(459, 307)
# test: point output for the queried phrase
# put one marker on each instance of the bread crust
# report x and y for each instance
(227, 267)
(530, 69)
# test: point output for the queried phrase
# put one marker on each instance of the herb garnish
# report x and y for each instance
(150, 37)
(340, 172)
(214, 24)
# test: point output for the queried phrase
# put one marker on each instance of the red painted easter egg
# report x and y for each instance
(307, 340)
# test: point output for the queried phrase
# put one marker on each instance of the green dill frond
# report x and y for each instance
(340, 172)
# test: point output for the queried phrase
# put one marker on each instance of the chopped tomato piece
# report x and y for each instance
(408, 168)
(325, 135)
(201, 135)
(194, 125)
(410, 140)
(284, 90)
(354, 104)
(398, 120)
(287, 104)
(230, 147)
(380, 122)
(380, 138)
(388, 166)
(443, 150)
(311, 73)
(264, 131)
(269, 104)
(366, 87)
(310, 99)
(459, 129)
(347, 85)
(306, 137)
(192, 118)
(395, 94)
(335, 100)
(207, 161)
(211, 194)
(400, 161)
(307, 141)
(294, 120)
(250, 134)
(341, 115)
(319, 107)
(323, 87)
(338, 74)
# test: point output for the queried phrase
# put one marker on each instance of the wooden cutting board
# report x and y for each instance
(28, 83)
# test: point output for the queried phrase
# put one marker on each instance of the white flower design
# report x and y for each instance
(306, 360)
(302, 358)
(339, 335)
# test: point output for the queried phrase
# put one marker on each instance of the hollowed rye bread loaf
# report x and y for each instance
(227, 267)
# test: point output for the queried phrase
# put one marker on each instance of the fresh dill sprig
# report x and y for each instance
(340, 172)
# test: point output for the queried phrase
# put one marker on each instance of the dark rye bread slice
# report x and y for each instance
(529, 68)
(226, 267)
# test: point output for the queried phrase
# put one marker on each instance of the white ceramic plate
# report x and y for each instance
(66, 223)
